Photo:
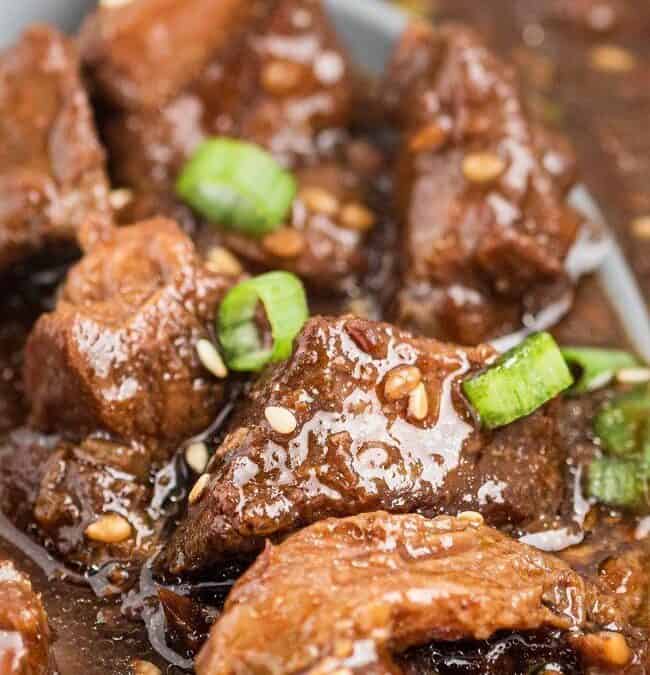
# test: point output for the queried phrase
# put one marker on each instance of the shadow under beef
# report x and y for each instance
(52, 177)
(355, 591)
(24, 632)
(119, 351)
(481, 190)
(366, 438)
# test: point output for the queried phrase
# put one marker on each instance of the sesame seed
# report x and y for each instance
(473, 517)
(483, 167)
(120, 198)
(281, 77)
(199, 488)
(111, 528)
(319, 200)
(145, 668)
(221, 261)
(401, 381)
(356, 216)
(430, 137)
(197, 456)
(641, 227)
(211, 359)
(285, 243)
(612, 59)
(113, 3)
(418, 403)
(281, 419)
(633, 375)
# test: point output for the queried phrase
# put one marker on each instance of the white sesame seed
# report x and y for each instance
(199, 488)
(197, 456)
(418, 407)
(221, 261)
(633, 375)
(120, 198)
(109, 529)
(473, 517)
(211, 358)
(281, 419)
(483, 167)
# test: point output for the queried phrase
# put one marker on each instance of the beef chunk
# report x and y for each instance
(24, 633)
(92, 505)
(142, 52)
(52, 177)
(357, 589)
(482, 192)
(363, 442)
(285, 85)
(118, 352)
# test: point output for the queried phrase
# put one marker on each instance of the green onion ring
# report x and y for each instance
(596, 366)
(283, 297)
(519, 382)
(238, 186)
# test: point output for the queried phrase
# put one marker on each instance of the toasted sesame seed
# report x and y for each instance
(111, 528)
(281, 77)
(430, 137)
(474, 517)
(633, 375)
(418, 403)
(483, 167)
(401, 381)
(319, 200)
(221, 261)
(120, 198)
(197, 456)
(281, 419)
(145, 668)
(612, 59)
(211, 359)
(356, 216)
(641, 227)
(199, 488)
(284, 243)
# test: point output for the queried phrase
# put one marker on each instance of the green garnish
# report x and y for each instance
(621, 478)
(283, 297)
(519, 382)
(595, 367)
(238, 186)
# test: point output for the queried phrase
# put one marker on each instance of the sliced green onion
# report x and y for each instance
(519, 382)
(596, 367)
(617, 482)
(283, 297)
(623, 424)
(237, 185)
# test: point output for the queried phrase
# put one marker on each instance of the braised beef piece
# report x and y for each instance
(142, 52)
(119, 351)
(362, 417)
(287, 86)
(482, 191)
(24, 633)
(356, 590)
(52, 178)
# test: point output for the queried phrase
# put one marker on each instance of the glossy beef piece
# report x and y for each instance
(142, 52)
(358, 589)
(118, 353)
(24, 633)
(84, 483)
(354, 449)
(285, 85)
(52, 177)
(482, 191)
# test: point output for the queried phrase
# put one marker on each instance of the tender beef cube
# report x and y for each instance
(24, 633)
(141, 53)
(358, 589)
(52, 178)
(118, 353)
(285, 85)
(322, 242)
(92, 505)
(379, 424)
(482, 191)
